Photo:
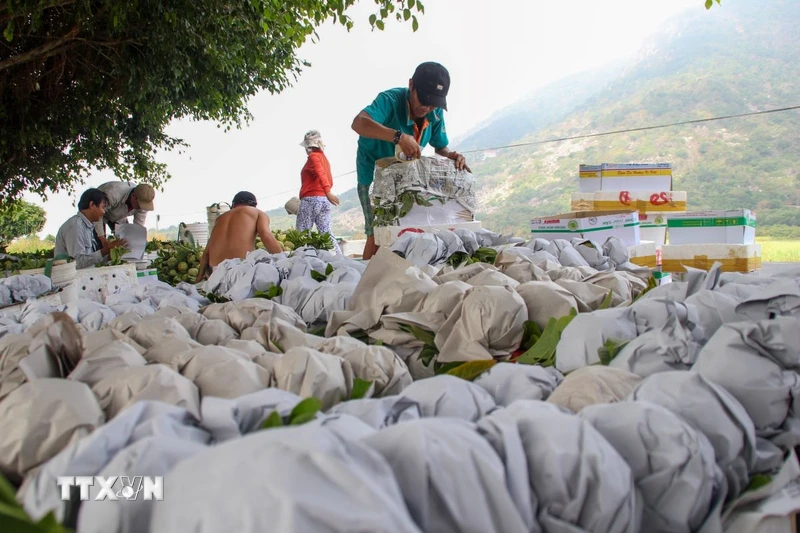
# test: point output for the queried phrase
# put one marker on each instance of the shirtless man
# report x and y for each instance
(234, 233)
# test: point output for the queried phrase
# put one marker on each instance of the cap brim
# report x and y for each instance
(433, 100)
(146, 206)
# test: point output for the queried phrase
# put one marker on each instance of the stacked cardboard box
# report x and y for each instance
(699, 239)
(643, 187)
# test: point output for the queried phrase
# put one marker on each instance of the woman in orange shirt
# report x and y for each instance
(316, 197)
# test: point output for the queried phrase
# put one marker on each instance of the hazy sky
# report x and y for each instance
(496, 52)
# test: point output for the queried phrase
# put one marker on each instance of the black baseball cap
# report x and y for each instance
(432, 81)
(244, 197)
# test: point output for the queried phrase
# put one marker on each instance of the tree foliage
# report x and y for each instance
(91, 84)
(18, 219)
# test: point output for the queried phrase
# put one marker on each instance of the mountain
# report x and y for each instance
(733, 59)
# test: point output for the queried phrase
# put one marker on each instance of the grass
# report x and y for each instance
(778, 250)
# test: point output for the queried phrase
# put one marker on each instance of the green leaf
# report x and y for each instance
(414, 24)
(360, 388)
(427, 355)
(329, 270)
(379, 25)
(406, 14)
(272, 421)
(420, 334)
(444, 368)
(309, 406)
(606, 303)
(8, 33)
(302, 419)
(372, 19)
(7, 492)
(531, 334)
(543, 352)
(316, 276)
(471, 369)
(709, 3)
(758, 481)
(411, 4)
(610, 350)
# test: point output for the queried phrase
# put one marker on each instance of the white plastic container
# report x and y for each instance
(98, 283)
(213, 212)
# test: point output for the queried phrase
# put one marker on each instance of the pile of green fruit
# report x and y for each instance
(177, 262)
(292, 239)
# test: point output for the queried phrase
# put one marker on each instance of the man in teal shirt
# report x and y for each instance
(410, 118)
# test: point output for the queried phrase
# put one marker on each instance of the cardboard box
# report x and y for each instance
(636, 177)
(712, 227)
(589, 178)
(386, 235)
(643, 254)
(594, 225)
(645, 202)
(654, 228)
(734, 257)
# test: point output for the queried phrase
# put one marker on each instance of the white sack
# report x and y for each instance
(224, 372)
(449, 396)
(227, 419)
(307, 372)
(379, 413)
(450, 477)
(588, 332)
(509, 382)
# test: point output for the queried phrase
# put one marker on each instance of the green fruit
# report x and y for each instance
(288, 246)
(192, 258)
(183, 267)
(193, 272)
(176, 279)
(173, 273)
(172, 262)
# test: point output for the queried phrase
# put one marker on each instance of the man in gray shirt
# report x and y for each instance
(125, 199)
(77, 238)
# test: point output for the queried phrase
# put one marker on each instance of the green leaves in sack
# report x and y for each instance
(273, 292)
(610, 350)
(651, 284)
(485, 255)
(316, 276)
(543, 352)
(304, 411)
(471, 369)
(606, 303)
(531, 335)
(361, 388)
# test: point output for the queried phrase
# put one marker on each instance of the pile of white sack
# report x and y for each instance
(23, 287)
(691, 423)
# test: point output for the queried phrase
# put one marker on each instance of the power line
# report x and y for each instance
(572, 138)
(632, 130)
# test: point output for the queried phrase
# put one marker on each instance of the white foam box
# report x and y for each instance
(644, 254)
(386, 235)
(451, 212)
(595, 225)
(636, 177)
(734, 257)
(147, 276)
(589, 178)
(645, 202)
(712, 227)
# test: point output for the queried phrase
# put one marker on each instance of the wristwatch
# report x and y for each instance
(397, 135)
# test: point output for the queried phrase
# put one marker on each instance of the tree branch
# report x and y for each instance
(42, 52)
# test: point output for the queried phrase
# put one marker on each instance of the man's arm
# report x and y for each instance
(140, 217)
(365, 126)
(262, 228)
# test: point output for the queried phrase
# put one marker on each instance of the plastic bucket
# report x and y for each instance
(213, 212)
(194, 233)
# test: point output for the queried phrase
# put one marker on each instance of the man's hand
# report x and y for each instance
(332, 198)
(109, 245)
(410, 147)
(460, 161)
